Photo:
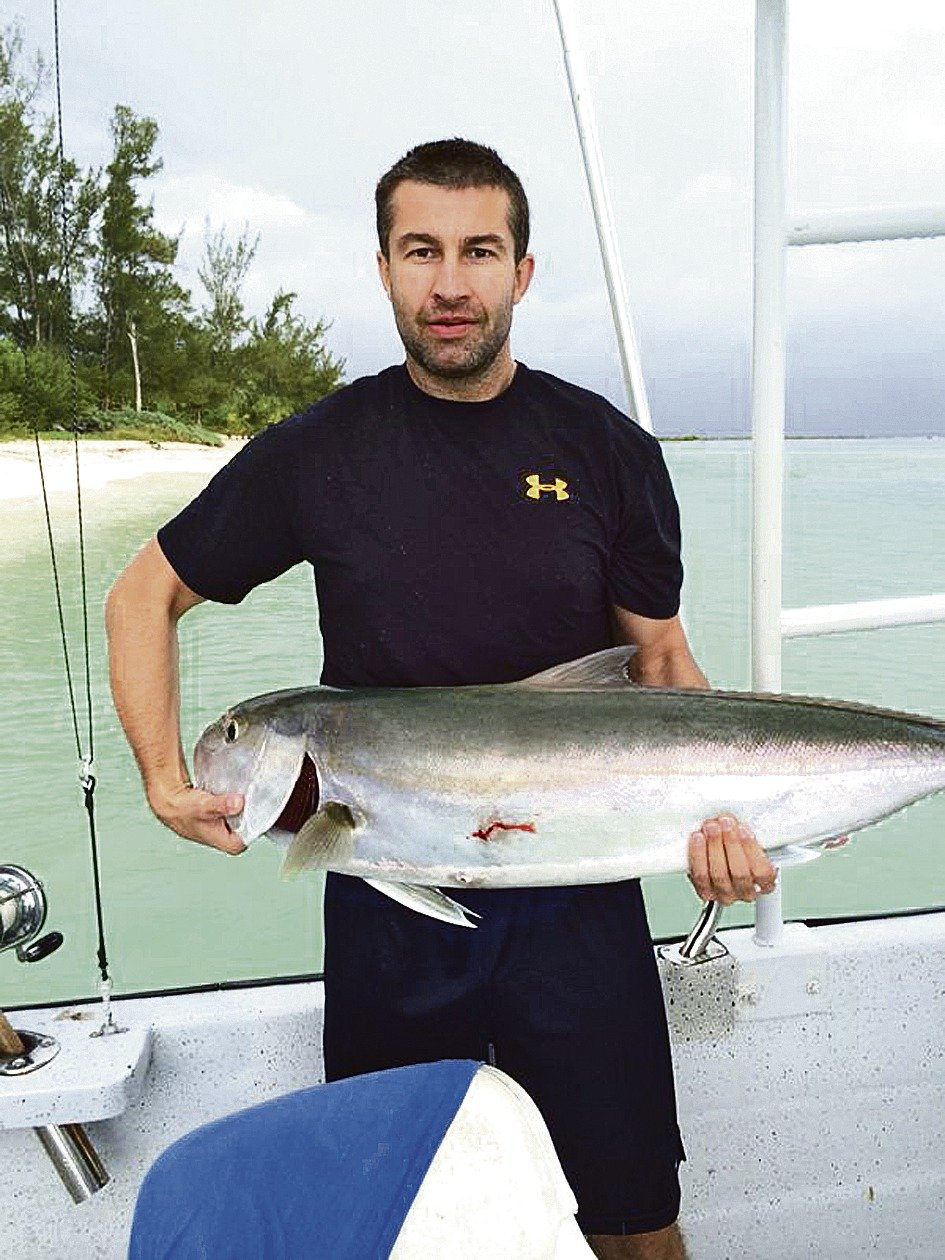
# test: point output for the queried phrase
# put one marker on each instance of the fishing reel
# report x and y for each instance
(22, 915)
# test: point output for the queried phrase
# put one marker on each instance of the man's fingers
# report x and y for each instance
(221, 837)
(699, 865)
(201, 816)
(214, 833)
(763, 874)
(726, 862)
(718, 862)
(212, 806)
(735, 843)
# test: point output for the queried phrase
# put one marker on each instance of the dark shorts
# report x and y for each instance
(559, 988)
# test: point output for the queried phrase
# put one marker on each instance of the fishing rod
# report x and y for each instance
(86, 755)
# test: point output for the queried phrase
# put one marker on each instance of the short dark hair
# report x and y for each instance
(453, 163)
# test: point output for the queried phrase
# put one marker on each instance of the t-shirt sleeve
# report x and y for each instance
(240, 531)
(645, 573)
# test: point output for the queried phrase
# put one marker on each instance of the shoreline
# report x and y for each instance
(101, 461)
(105, 460)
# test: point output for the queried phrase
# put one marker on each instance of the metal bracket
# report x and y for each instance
(38, 1050)
(700, 945)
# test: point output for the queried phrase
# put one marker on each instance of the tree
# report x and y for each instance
(133, 337)
(285, 365)
(46, 209)
(222, 273)
(142, 307)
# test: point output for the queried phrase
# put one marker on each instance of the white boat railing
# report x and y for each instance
(867, 614)
(773, 230)
(884, 223)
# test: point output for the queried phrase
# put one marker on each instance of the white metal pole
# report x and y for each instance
(768, 372)
(603, 217)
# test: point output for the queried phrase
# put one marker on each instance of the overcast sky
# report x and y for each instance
(283, 114)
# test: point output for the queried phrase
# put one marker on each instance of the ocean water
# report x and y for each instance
(864, 519)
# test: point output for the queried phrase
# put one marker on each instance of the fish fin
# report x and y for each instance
(322, 841)
(793, 854)
(599, 670)
(426, 901)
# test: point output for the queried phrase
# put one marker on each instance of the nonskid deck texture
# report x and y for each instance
(807, 1077)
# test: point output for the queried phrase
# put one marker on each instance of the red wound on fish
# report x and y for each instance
(486, 833)
(303, 802)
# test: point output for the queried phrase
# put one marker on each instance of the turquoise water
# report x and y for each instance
(865, 519)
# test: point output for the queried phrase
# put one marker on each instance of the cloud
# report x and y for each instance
(286, 125)
(189, 200)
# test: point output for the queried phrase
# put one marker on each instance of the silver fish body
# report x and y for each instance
(575, 776)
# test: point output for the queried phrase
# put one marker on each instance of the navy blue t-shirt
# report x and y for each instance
(452, 542)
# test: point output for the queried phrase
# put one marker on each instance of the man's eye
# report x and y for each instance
(480, 252)
(421, 252)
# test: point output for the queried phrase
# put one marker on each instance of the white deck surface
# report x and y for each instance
(810, 1083)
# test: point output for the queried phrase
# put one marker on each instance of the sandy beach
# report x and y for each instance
(100, 462)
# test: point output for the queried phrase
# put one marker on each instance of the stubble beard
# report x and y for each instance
(453, 360)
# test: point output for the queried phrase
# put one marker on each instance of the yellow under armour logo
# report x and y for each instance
(537, 487)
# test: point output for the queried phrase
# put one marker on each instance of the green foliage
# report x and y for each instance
(149, 426)
(45, 212)
(284, 365)
(140, 301)
(137, 342)
(222, 274)
(36, 390)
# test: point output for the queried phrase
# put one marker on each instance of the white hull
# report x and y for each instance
(808, 1083)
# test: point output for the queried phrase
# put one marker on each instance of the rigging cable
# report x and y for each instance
(86, 777)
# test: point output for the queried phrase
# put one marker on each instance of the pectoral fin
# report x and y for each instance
(322, 842)
(426, 901)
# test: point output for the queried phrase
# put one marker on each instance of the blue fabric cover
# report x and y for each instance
(326, 1172)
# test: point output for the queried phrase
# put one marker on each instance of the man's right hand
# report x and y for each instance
(141, 615)
(198, 815)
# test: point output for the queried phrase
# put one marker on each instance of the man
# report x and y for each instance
(468, 521)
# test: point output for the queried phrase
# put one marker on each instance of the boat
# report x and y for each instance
(810, 1056)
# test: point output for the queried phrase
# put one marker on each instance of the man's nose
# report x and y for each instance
(450, 283)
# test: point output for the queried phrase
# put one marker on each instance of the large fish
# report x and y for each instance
(572, 776)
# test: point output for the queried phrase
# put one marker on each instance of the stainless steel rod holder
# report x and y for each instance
(703, 930)
(75, 1159)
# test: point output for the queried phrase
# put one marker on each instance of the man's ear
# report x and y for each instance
(524, 270)
(383, 270)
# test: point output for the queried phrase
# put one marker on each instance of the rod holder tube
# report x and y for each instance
(769, 917)
(697, 942)
(74, 1158)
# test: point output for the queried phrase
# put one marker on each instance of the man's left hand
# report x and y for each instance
(726, 862)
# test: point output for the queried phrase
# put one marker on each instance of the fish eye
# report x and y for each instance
(231, 730)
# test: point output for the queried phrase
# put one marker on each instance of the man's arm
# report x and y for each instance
(141, 615)
(726, 862)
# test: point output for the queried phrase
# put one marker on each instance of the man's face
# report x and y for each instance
(452, 277)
